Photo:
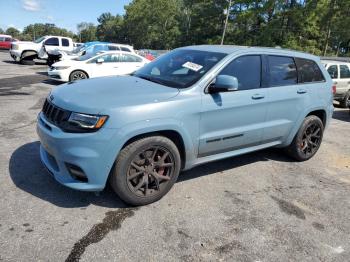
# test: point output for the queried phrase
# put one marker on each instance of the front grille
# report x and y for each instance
(54, 114)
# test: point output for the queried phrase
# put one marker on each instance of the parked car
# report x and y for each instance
(190, 106)
(340, 73)
(90, 48)
(26, 52)
(5, 41)
(105, 64)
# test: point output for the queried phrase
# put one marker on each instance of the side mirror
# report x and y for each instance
(100, 61)
(224, 83)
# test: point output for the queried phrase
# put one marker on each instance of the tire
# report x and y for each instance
(27, 62)
(308, 139)
(141, 162)
(77, 75)
(345, 103)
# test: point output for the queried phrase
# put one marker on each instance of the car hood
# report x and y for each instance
(25, 43)
(67, 62)
(100, 95)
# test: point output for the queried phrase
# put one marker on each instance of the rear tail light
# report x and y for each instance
(334, 89)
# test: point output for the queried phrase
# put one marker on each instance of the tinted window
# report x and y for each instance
(308, 71)
(129, 58)
(7, 39)
(125, 49)
(113, 47)
(110, 58)
(247, 70)
(333, 71)
(2, 39)
(65, 42)
(52, 41)
(344, 71)
(282, 71)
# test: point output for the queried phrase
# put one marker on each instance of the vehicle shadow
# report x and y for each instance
(234, 162)
(28, 173)
(343, 115)
(35, 63)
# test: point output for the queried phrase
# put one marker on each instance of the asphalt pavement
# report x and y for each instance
(261, 206)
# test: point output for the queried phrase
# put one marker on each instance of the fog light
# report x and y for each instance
(76, 173)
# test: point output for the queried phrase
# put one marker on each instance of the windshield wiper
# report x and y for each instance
(148, 78)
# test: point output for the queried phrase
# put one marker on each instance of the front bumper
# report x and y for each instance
(58, 75)
(15, 54)
(91, 152)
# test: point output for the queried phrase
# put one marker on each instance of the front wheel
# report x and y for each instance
(308, 139)
(146, 170)
(77, 75)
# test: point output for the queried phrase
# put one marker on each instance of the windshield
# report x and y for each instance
(39, 39)
(179, 68)
(84, 57)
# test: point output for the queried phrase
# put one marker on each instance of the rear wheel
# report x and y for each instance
(77, 75)
(346, 101)
(308, 139)
(146, 170)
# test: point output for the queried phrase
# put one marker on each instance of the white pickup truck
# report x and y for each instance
(26, 52)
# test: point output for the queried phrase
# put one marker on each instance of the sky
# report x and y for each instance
(63, 13)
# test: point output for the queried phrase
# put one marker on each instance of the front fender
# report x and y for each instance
(132, 130)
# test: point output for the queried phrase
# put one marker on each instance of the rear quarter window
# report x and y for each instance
(125, 49)
(344, 71)
(308, 71)
(282, 71)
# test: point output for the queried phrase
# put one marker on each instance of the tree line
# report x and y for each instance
(320, 27)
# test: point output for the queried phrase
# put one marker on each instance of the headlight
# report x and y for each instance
(83, 122)
(14, 47)
(59, 67)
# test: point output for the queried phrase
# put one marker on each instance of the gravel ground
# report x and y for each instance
(257, 207)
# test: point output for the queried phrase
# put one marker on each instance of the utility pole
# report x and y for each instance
(226, 20)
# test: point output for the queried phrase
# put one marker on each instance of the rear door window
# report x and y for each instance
(308, 71)
(52, 41)
(247, 70)
(129, 58)
(125, 49)
(65, 42)
(344, 71)
(333, 71)
(282, 71)
(113, 47)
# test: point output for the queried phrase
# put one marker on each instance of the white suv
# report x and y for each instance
(340, 73)
(26, 52)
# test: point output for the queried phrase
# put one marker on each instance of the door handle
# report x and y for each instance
(335, 83)
(116, 67)
(258, 96)
(301, 91)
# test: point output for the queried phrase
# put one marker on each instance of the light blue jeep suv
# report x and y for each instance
(190, 106)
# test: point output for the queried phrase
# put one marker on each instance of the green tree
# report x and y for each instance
(86, 32)
(111, 28)
(153, 23)
(13, 32)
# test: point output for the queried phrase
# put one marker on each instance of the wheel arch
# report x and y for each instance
(79, 70)
(33, 52)
(173, 135)
(321, 114)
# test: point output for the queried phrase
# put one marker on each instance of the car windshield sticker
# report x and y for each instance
(192, 66)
